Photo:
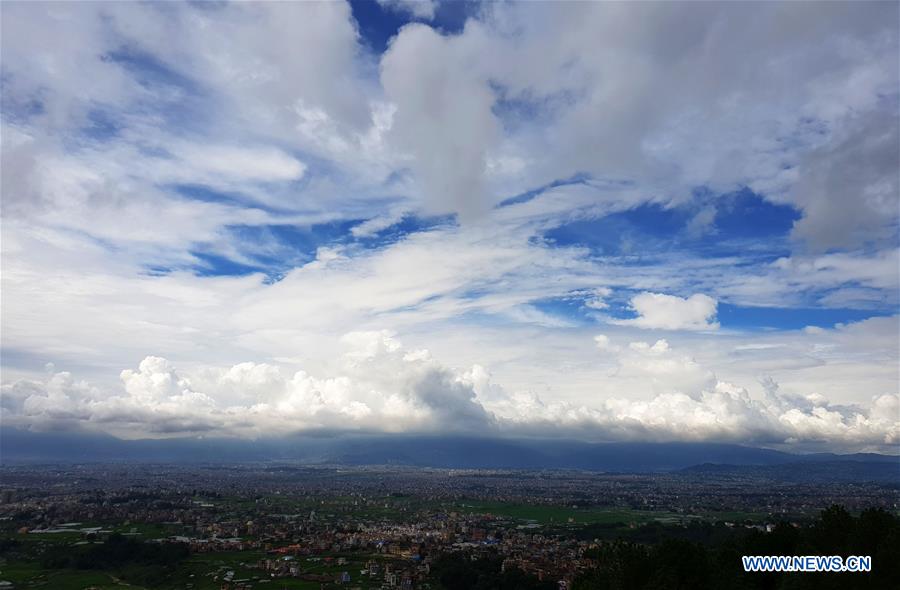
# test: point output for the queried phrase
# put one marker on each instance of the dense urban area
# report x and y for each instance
(284, 526)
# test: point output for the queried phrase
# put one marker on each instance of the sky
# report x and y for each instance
(600, 221)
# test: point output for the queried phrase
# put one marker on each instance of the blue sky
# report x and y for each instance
(592, 220)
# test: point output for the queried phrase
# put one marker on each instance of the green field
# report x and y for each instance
(556, 515)
(202, 571)
(29, 575)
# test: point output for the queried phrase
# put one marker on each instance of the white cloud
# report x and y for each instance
(604, 343)
(241, 163)
(423, 9)
(670, 312)
(381, 386)
(593, 102)
(664, 369)
(503, 106)
(70, 301)
(212, 97)
(701, 222)
(444, 116)
(372, 226)
(849, 187)
(597, 298)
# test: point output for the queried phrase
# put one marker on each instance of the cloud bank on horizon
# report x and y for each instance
(597, 220)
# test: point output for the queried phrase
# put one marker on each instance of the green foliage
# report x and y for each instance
(711, 562)
(138, 562)
(458, 572)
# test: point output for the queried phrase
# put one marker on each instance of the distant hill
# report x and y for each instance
(817, 470)
(458, 452)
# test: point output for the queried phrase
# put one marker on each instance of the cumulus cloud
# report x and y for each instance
(382, 386)
(670, 312)
(693, 404)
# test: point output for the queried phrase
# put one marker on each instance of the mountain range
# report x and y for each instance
(454, 452)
